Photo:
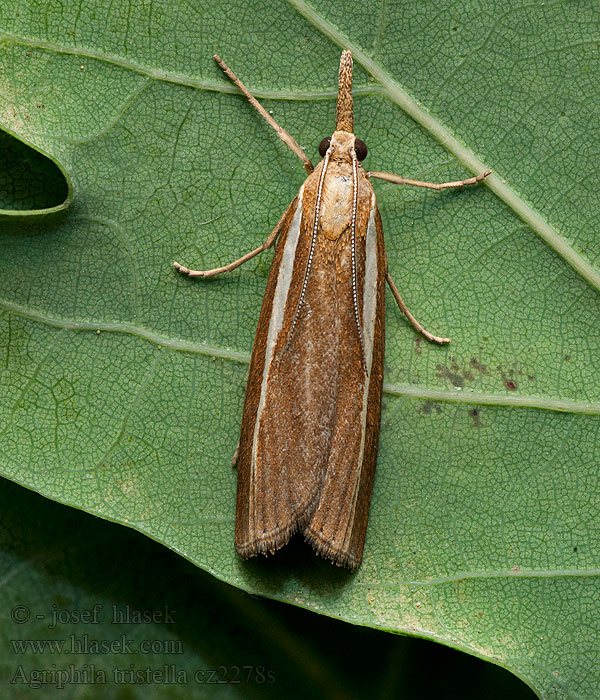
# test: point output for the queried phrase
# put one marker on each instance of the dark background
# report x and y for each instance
(55, 557)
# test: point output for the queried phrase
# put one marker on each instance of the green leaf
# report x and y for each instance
(111, 614)
(123, 382)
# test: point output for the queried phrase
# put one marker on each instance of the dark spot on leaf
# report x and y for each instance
(475, 416)
(431, 406)
(509, 374)
(574, 549)
(566, 358)
(480, 367)
(418, 348)
(446, 372)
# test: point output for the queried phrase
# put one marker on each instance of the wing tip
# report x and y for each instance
(337, 555)
(269, 541)
(250, 544)
(274, 539)
(266, 544)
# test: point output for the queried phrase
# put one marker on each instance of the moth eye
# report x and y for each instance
(323, 146)
(361, 149)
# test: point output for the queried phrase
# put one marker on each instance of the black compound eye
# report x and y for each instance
(361, 149)
(323, 146)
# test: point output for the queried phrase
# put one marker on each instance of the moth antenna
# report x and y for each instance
(345, 110)
(353, 253)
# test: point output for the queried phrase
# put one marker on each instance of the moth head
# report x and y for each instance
(343, 142)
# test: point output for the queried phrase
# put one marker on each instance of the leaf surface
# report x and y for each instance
(112, 614)
(123, 382)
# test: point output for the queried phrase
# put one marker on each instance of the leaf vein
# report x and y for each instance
(463, 154)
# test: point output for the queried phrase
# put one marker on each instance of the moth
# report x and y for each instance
(310, 427)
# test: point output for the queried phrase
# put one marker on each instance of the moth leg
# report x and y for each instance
(289, 141)
(269, 241)
(398, 180)
(411, 319)
(236, 454)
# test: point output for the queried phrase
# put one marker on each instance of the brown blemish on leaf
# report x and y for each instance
(475, 416)
(431, 406)
(479, 366)
(454, 377)
(509, 376)
(458, 370)
(459, 377)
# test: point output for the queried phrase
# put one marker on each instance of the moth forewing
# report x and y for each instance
(275, 520)
(310, 426)
(338, 527)
(311, 419)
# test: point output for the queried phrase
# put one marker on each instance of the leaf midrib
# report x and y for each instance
(405, 390)
(465, 156)
(477, 575)
(388, 87)
(182, 78)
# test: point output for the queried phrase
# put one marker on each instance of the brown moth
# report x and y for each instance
(310, 428)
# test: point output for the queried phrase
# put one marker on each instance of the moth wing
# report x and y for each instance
(338, 526)
(310, 428)
(281, 459)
